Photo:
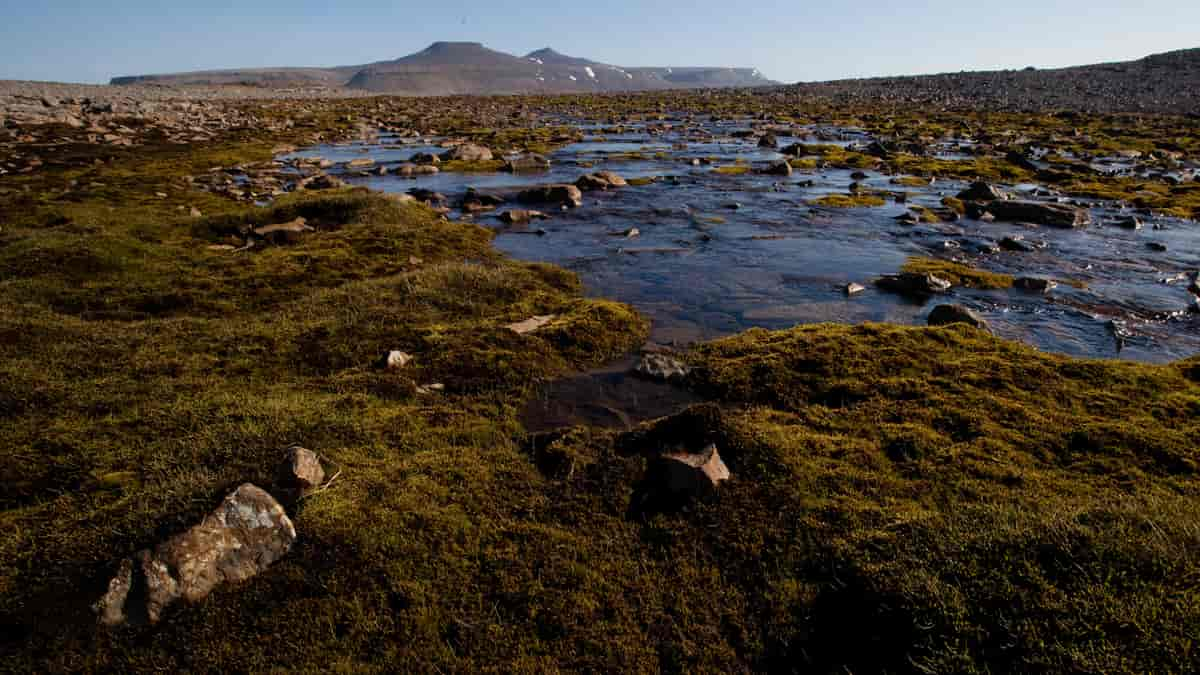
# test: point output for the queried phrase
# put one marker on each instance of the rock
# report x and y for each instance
(853, 289)
(475, 201)
(245, 534)
(299, 473)
(284, 233)
(909, 283)
(1042, 213)
(768, 140)
(661, 367)
(1156, 246)
(780, 168)
(468, 152)
(681, 474)
(878, 149)
(527, 162)
(1035, 284)
(568, 195)
(521, 216)
(1129, 223)
(322, 182)
(983, 192)
(394, 360)
(361, 163)
(601, 180)
(425, 158)
(1018, 159)
(1016, 243)
(795, 150)
(428, 196)
(944, 315)
(531, 324)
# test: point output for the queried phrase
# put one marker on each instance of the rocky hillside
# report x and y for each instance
(1167, 82)
(451, 68)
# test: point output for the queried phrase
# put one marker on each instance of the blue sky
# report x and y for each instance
(88, 41)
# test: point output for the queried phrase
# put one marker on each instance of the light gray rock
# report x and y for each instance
(245, 534)
(661, 367)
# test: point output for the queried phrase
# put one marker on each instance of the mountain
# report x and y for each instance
(450, 68)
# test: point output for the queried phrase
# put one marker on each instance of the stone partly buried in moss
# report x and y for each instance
(284, 233)
(685, 475)
(945, 315)
(567, 195)
(531, 324)
(246, 534)
(298, 474)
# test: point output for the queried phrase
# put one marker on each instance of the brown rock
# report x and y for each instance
(468, 152)
(683, 474)
(568, 195)
(1042, 213)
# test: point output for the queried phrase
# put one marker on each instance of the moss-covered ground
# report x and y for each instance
(903, 500)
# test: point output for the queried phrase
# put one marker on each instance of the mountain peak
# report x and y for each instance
(547, 55)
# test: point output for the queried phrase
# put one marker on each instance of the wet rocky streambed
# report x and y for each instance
(709, 243)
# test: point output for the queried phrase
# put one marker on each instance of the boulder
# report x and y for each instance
(361, 163)
(394, 360)
(768, 140)
(780, 168)
(521, 216)
(568, 195)
(245, 534)
(322, 182)
(1035, 284)
(853, 289)
(1129, 223)
(468, 152)
(1061, 216)
(910, 283)
(425, 158)
(298, 474)
(983, 192)
(681, 474)
(601, 180)
(944, 315)
(1016, 243)
(527, 162)
(661, 367)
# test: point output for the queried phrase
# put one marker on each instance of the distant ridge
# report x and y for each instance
(450, 68)
(1168, 82)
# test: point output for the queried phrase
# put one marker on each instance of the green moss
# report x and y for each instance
(957, 273)
(803, 163)
(910, 181)
(849, 201)
(926, 215)
(955, 204)
(481, 166)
